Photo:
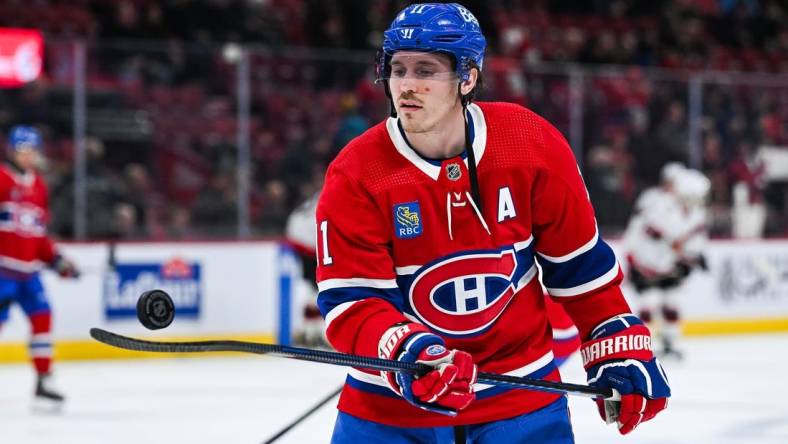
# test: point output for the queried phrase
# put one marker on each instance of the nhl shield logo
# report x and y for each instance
(453, 171)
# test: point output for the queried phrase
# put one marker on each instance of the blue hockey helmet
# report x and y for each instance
(24, 137)
(435, 27)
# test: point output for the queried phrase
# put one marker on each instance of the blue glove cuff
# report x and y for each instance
(413, 345)
(629, 376)
(614, 325)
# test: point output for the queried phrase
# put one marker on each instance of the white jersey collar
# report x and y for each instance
(479, 142)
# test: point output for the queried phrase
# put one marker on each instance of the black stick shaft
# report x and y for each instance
(306, 414)
(335, 358)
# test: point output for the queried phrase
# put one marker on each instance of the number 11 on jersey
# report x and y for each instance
(327, 259)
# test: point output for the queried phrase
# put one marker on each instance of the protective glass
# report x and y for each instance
(417, 66)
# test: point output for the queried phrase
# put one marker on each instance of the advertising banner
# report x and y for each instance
(124, 285)
(21, 56)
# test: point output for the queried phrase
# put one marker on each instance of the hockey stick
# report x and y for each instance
(335, 358)
(305, 415)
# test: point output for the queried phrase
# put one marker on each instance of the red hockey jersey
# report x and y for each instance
(566, 339)
(401, 240)
(24, 245)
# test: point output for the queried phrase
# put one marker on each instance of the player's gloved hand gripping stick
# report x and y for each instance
(448, 388)
(618, 356)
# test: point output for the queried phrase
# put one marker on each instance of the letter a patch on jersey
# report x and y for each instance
(407, 220)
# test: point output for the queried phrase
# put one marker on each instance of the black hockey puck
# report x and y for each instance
(155, 309)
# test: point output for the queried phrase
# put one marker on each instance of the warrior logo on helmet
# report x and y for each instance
(406, 33)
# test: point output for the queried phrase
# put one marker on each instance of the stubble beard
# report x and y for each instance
(415, 125)
(426, 121)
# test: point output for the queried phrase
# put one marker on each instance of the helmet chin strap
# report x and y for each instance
(465, 99)
(387, 90)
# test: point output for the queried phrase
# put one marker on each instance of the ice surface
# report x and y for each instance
(728, 390)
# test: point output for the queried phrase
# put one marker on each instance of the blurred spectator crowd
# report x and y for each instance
(163, 82)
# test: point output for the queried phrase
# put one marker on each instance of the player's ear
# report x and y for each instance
(467, 85)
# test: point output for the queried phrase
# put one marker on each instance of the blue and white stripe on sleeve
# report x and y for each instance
(585, 269)
(337, 295)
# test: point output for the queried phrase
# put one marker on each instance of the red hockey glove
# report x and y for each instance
(618, 356)
(447, 389)
(64, 267)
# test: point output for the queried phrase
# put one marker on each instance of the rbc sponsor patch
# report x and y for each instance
(407, 220)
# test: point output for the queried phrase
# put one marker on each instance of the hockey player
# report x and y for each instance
(300, 234)
(693, 194)
(25, 247)
(666, 190)
(664, 242)
(429, 228)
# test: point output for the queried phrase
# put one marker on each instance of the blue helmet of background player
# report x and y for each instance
(447, 28)
(24, 137)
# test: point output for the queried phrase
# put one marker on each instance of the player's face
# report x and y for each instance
(424, 89)
(27, 159)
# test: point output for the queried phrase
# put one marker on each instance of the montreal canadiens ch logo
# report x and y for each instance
(464, 294)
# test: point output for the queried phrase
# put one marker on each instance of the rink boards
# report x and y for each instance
(227, 290)
(251, 291)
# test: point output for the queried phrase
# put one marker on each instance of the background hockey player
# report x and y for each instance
(429, 228)
(664, 241)
(25, 249)
(300, 234)
(693, 195)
